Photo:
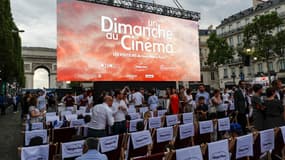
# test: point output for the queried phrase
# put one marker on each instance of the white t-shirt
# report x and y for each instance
(90, 99)
(138, 97)
(189, 99)
(101, 117)
(225, 97)
(119, 115)
(42, 102)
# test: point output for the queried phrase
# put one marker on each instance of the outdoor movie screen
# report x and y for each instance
(104, 43)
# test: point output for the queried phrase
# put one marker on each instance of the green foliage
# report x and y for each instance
(11, 62)
(220, 51)
(259, 35)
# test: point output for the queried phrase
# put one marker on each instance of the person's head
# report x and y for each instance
(152, 92)
(118, 94)
(142, 90)
(257, 88)
(140, 126)
(33, 101)
(173, 91)
(90, 144)
(36, 141)
(276, 84)
(201, 88)
(242, 84)
(216, 92)
(108, 100)
(188, 91)
(270, 92)
(201, 100)
(225, 90)
(87, 118)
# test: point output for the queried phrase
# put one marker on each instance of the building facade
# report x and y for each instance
(231, 28)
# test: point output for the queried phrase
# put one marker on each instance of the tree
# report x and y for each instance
(219, 50)
(11, 62)
(260, 37)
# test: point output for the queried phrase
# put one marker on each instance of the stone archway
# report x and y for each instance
(37, 57)
(41, 77)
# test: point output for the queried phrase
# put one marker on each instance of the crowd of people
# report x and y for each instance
(247, 105)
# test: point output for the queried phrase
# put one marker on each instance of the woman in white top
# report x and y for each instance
(35, 114)
(188, 101)
(218, 104)
(225, 95)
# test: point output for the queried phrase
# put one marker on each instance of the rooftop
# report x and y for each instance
(39, 49)
(251, 10)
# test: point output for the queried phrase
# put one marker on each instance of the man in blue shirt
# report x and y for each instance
(90, 151)
(202, 93)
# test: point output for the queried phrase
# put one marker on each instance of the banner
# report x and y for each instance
(154, 122)
(244, 146)
(96, 42)
(35, 126)
(186, 130)
(171, 120)
(140, 139)
(35, 153)
(35, 133)
(187, 117)
(184, 153)
(109, 143)
(267, 140)
(206, 127)
(77, 123)
(218, 150)
(133, 124)
(164, 134)
(72, 149)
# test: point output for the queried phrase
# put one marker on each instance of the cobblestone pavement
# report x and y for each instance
(10, 135)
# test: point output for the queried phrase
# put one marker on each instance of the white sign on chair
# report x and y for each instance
(171, 120)
(72, 149)
(154, 122)
(109, 143)
(187, 117)
(164, 134)
(183, 154)
(224, 124)
(186, 130)
(140, 139)
(218, 150)
(267, 140)
(35, 133)
(244, 146)
(206, 127)
(133, 124)
(35, 152)
(35, 126)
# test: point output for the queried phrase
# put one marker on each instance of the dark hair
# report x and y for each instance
(201, 98)
(216, 91)
(35, 141)
(140, 126)
(274, 83)
(33, 101)
(91, 143)
(256, 87)
(152, 92)
(87, 118)
(117, 92)
(188, 91)
(241, 81)
(80, 116)
(270, 92)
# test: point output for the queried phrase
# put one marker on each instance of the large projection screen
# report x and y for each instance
(104, 43)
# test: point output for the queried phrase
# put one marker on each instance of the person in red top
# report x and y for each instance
(69, 100)
(174, 102)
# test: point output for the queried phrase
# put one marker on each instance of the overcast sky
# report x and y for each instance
(38, 17)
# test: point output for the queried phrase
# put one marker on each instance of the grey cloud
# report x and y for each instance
(38, 17)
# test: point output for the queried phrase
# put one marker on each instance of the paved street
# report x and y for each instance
(10, 135)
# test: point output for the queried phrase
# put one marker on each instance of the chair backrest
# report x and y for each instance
(63, 134)
(114, 154)
(185, 136)
(35, 133)
(279, 144)
(161, 138)
(139, 139)
(72, 149)
(157, 156)
(35, 152)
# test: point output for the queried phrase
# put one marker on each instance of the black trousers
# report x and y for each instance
(241, 118)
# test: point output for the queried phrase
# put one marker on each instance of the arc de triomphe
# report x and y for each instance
(38, 57)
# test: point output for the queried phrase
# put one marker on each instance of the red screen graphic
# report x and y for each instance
(103, 43)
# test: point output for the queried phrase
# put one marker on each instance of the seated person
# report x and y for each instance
(36, 141)
(90, 151)
(140, 126)
(202, 109)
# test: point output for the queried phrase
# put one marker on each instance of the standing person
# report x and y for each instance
(138, 98)
(119, 109)
(225, 96)
(241, 104)
(90, 99)
(90, 151)
(218, 104)
(274, 112)
(26, 104)
(202, 109)
(188, 101)
(84, 100)
(35, 114)
(277, 86)
(42, 102)
(2, 105)
(174, 102)
(69, 100)
(258, 107)
(15, 107)
(202, 93)
(101, 118)
(152, 101)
